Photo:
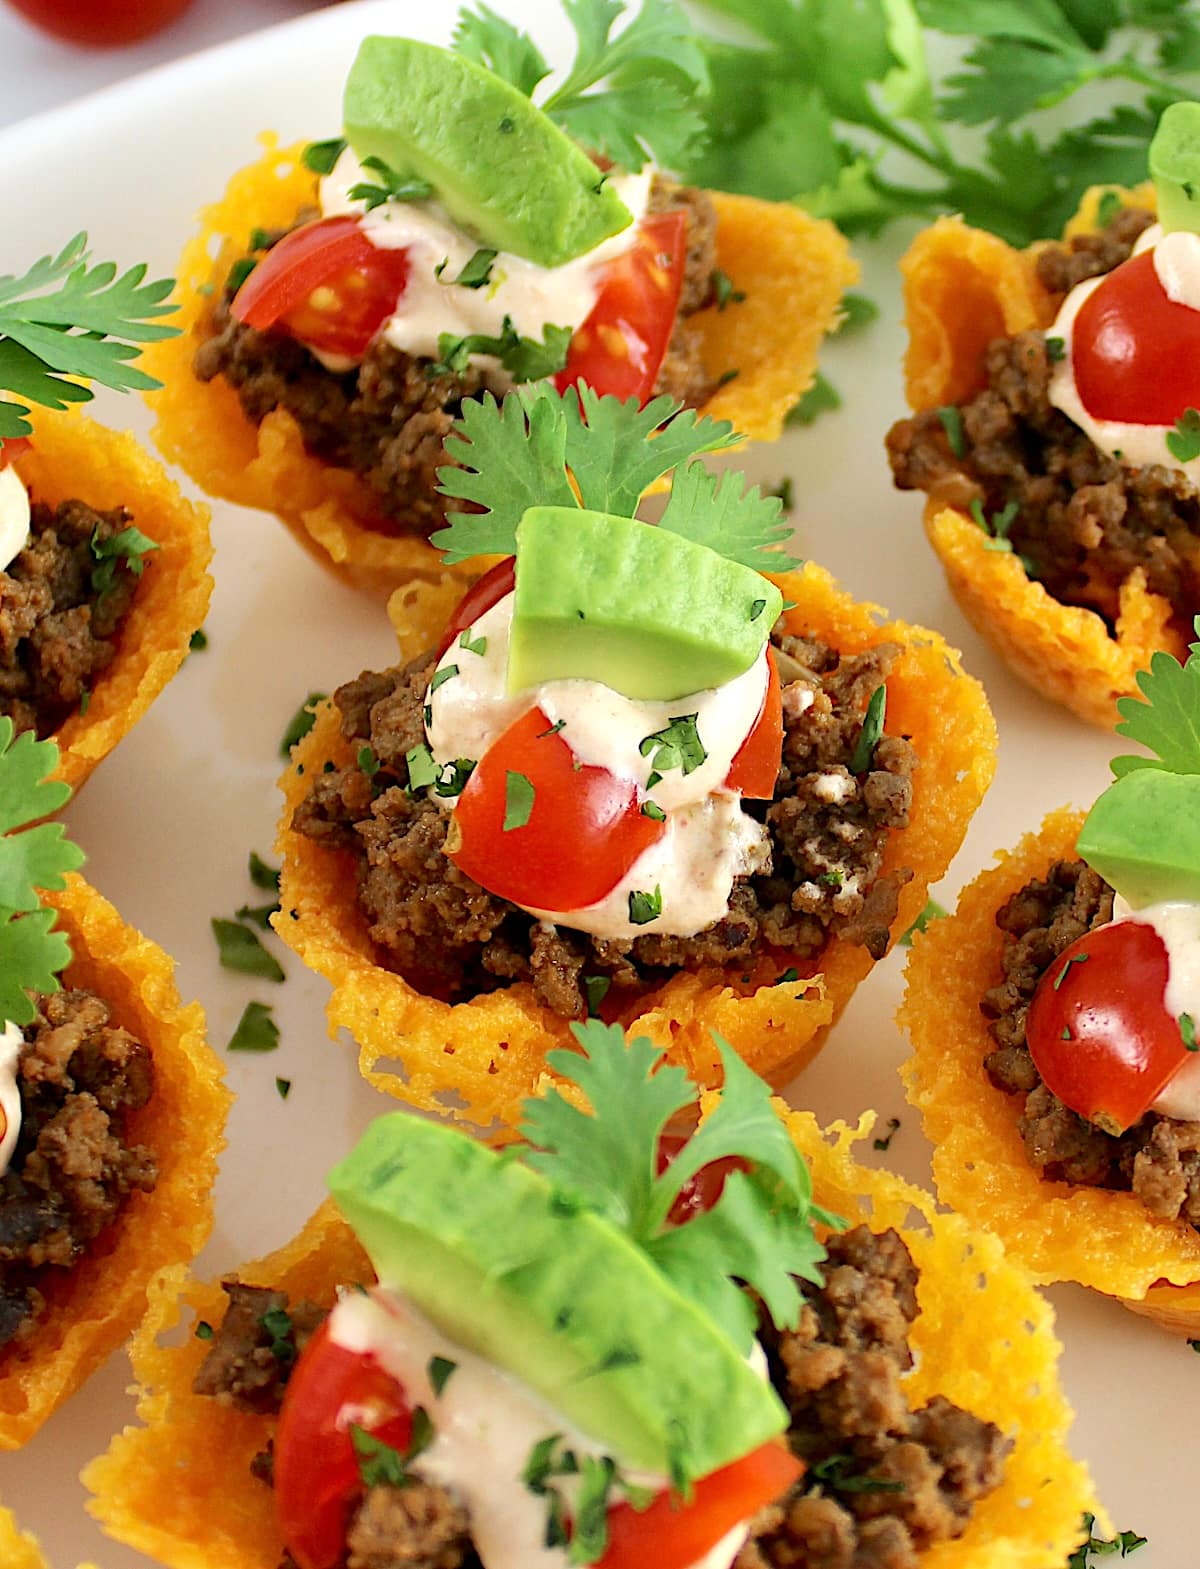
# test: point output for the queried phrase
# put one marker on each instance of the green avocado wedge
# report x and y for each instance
(491, 1254)
(1175, 167)
(647, 612)
(499, 166)
(1143, 836)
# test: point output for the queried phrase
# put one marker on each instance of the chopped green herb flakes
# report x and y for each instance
(1183, 442)
(320, 157)
(951, 417)
(872, 730)
(518, 800)
(300, 723)
(256, 1030)
(884, 1142)
(440, 1369)
(644, 907)
(933, 911)
(821, 398)
(676, 745)
(241, 949)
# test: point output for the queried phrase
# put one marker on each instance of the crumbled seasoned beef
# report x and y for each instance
(251, 1356)
(56, 632)
(1083, 520)
(883, 1482)
(828, 830)
(421, 1526)
(78, 1076)
(387, 419)
(1158, 1158)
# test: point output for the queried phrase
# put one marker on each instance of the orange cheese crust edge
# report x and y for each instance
(74, 457)
(19, 1550)
(479, 1060)
(1059, 1231)
(792, 268)
(962, 288)
(984, 1339)
(95, 1305)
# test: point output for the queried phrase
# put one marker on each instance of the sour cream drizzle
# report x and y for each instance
(10, 1095)
(708, 840)
(485, 1424)
(14, 516)
(1178, 926)
(1177, 263)
(438, 250)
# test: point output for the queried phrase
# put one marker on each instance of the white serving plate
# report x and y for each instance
(168, 820)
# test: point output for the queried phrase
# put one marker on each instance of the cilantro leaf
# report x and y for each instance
(518, 800)
(262, 875)
(379, 1463)
(31, 956)
(130, 545)
(241, 949)
(392, 186)
(526, 359)
(1166, 719)
(645, 906)
(676, 745)
(321, 157)
(712, 509)
(255, 1031)
(933, 911)
(872, 729)
(491, 41)
(38, 858)
(300, 723)
(27, 792)
(821, 398)
(1183, 442)
(615, 122)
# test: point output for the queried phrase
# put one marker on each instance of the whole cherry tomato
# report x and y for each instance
(1135, 352)
(485, 592)
(1097, 1029)
(585, 827)
(11, 449)
(317, 1479)
(621, 346)
(326, 284)
(755, 766)
(101, 23)
(672, 1534)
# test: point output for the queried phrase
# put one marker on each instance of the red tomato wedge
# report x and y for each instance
(701, 1191)
(1097, 1029)
(755, 766)
(11, 449)
(487, 591)
(672, 1534)
(585, 828)
(317, 1479)
(101, 24)
(1135, 352)
(621, 346)
(326, 284)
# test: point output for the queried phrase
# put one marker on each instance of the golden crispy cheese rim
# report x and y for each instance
(179, 1487)
(1059, 1231)
(962, 288)
(479, 1060)
(74, 457)
(95, 1305)
(19, 1550)
(792, 268)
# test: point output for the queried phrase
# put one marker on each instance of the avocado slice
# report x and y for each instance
(1143, 836)
(484, 1247)
(1175, 167)
(499, 166)
(647, 612)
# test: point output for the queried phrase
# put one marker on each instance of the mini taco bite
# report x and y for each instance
(112, 1110)
(1053, 432)
(365, 287)
(387, 1384)
(1053, 1029)
(612, 781)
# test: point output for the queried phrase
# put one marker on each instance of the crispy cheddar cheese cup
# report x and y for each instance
(95, 1305)
(793, 270)
(1059, 1231)
(18, 1550)
(74, 457)
(962, 288)
(179, 1487)
(479, 1060)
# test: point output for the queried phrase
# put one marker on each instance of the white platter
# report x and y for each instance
(168, 821)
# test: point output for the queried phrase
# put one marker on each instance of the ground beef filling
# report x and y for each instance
(883, 1482)
(1158, 1159)
(79, 1076)
(449, 937)
(1083, 521)
(57, 631)
(387, 420)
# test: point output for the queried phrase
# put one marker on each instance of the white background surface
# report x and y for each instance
(167, 822)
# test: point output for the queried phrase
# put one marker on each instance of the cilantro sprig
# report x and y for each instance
(69, 317)
(1166, 718)
(759, 1231)
(629, 95)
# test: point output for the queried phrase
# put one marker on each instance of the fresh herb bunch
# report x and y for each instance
(1166, 718)
(632, 97)
(67, 317)
(829, 87)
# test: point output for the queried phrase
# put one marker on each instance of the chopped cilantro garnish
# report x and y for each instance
(518, 800)
(525, 359)
(789, 975)
(241, 949)
(933, 911)
(595, 990)
(198, 641)
(1107, 208)
(723, 290)
(784, 492)
(951, 417)
(203, 1330)
(872, 729)
(676, 745)
(239, 272)
(839, 1474)
(1066, 1033)
(283, 1088)
(550, 730)
(129, 546)
(300, 723)
(821, 398)
(422, 770)
(392, 186)
(262, 875)
(644, 907)
(1056, 349)
(85, 700)
(1076, 958)
(652, 810)
(884, 1142)
(258, 914)
(440, 1369)
(367, 761)
(858, 310)
(441, 676)
(379, 1464)
(477, 270)
(1166, 719)
(320, 157)
(1124, 1543)
(452, 777)
(478, 646)
(256, 1030)
(1187, 1031)
(996, 527)
(1183, 442)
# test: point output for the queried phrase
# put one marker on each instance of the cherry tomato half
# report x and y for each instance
(11, 449)
(1136, 353)
(317, 1479)
(755, 766)
(485, 592)
(621, 346)
(585, 827)
(702, 1190)
(101, 23)
(1097, 1029)
(671, 1534)
(326, 284)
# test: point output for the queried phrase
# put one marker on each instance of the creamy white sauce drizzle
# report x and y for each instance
(485, 1424)
(1177, 262)
(10, 1095)
(14, 516)
(432, 304)
(1178, 926)
(708, 840)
